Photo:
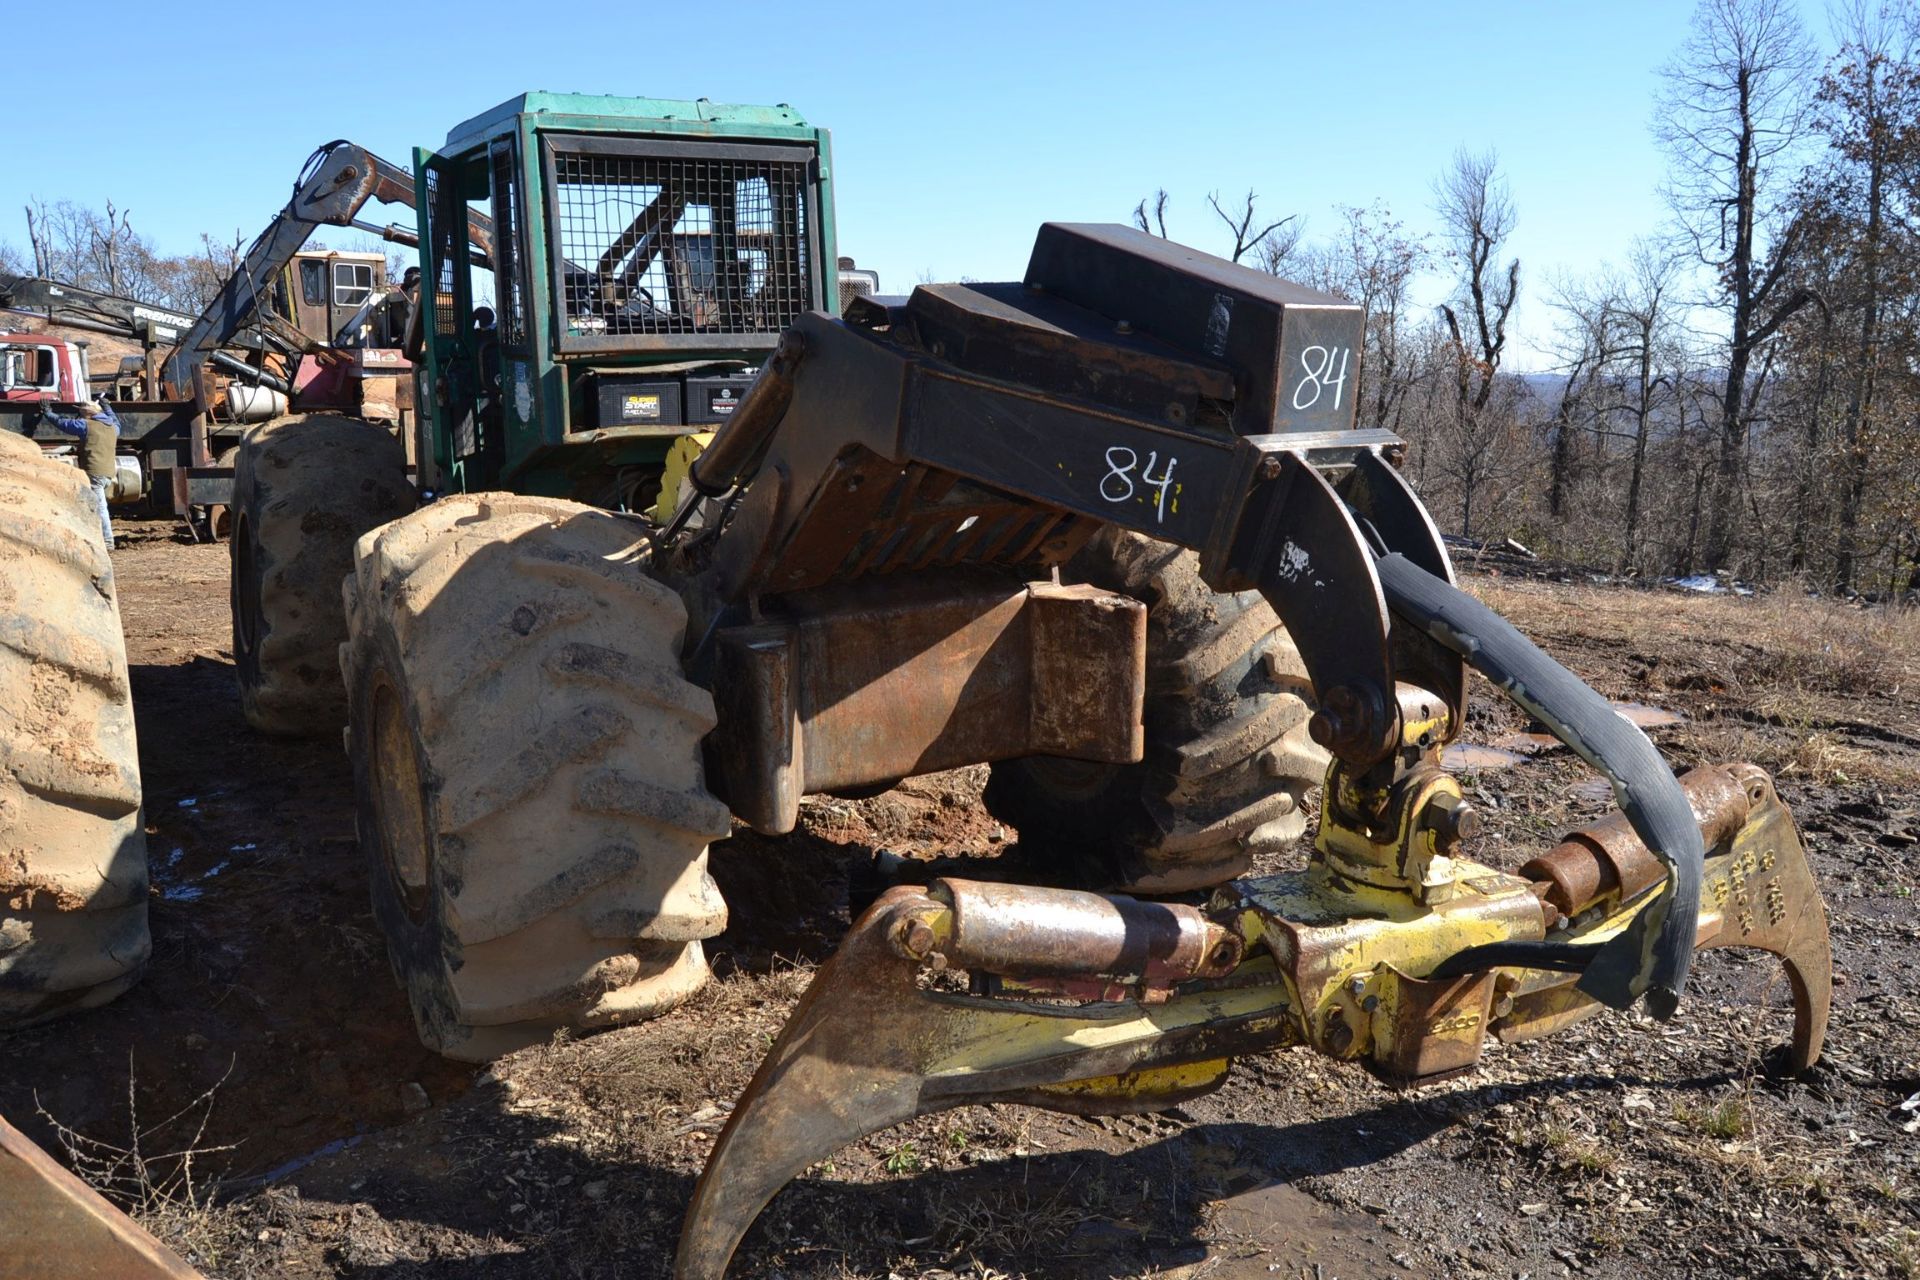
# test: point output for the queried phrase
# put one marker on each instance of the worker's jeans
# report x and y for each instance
(100, 484)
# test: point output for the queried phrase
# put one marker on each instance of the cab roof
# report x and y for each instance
(603, 112)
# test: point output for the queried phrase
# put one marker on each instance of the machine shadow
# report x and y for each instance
(1081, 1214)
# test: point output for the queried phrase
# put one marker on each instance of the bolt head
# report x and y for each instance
(1321, 729)
(1452, 818)
(914, 937)
(1269, 468)
(1339, 1034)
(1342, 720)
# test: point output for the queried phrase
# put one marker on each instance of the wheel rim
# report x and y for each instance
(399, 800)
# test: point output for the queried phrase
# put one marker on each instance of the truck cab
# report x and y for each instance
(322, 291)
(648, 253)
(39, 370)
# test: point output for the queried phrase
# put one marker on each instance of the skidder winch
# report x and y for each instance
(1064, 394)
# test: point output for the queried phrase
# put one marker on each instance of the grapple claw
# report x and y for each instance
(1090, 1003)
(1763, 892)
(1758, 891)
(869, 1047)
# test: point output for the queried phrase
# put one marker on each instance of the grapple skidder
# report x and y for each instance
(701, 545)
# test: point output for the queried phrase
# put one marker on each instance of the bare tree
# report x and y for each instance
(1279, 249)
(1374, 262)
(109, 239)
(1582, 352)
(1731, 115)
(1640, 321)
(1159, 216)
(1477, 215)
(1867, 107)
(102, 250)
(1240, 224)
(40, 238)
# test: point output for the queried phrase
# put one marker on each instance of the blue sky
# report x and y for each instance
(957, 128)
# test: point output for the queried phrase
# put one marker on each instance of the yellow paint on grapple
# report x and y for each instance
(679, 462)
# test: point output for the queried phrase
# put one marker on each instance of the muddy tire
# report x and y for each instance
(1228, 762)
(304, 489)
(73, 852)
(528, 772)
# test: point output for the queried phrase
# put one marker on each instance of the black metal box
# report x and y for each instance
(639, 402)
(714, 399)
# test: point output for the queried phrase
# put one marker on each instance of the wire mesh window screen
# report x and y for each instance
(681, 243)
(444, 216)
(509, 290)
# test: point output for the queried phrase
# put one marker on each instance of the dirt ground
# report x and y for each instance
(269, 1043)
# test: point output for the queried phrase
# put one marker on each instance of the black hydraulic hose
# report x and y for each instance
(1560, 957)
(1653, 953)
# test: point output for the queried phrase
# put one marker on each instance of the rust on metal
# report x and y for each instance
(867, 1048)
(1758, 891)
(55, 1227)
(870, 682)
(1437, 1026)
(1608, 861)
(1170, 993)
(1022, 932)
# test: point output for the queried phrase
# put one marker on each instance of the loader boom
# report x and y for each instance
(334, 185)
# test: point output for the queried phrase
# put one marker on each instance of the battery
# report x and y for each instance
(639, 402)
(714, 399)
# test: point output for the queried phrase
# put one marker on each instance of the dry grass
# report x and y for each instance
(1013, 1221)
(153, 1176)
(1778, 680)
(1724, 1120)
(1785, 638)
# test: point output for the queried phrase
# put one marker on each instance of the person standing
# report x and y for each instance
(99, 433)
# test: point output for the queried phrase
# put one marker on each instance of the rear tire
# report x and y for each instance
(304, 489)
(73, 852)
(1228, 763)
(528, 772)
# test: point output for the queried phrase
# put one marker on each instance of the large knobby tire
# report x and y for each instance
(1228, 762)
(73, 852)
(528, 771)
(304, 489)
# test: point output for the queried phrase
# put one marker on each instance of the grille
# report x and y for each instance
(509, 295)
(679, 240)
(443, 216)
(855, 283)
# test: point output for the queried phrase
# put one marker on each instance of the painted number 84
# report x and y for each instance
(1324, 367)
